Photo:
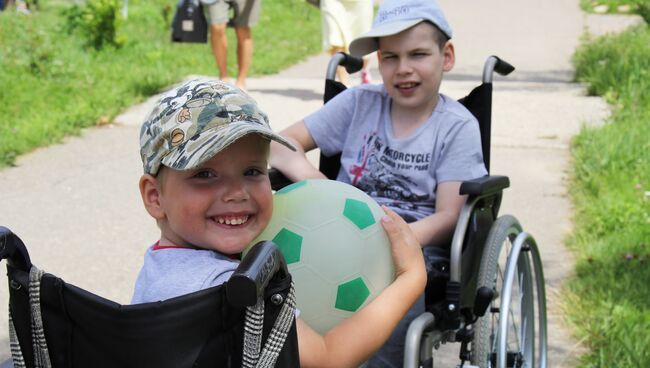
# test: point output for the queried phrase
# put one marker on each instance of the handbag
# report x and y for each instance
(189, 23)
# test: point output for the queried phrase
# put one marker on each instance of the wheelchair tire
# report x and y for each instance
(520, 333)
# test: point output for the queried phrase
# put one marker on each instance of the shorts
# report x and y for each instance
(344, 20)
(246, 13)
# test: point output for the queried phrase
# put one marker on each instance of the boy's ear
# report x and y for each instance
(150, 193)
(449, 56)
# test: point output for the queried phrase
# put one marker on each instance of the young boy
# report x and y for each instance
(402, 142)
(205, 149)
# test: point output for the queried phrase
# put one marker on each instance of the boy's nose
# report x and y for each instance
(403, 66)
(235, 190)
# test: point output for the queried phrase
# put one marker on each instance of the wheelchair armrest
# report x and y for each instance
(14, 250)
(254, 272)
(484, 185)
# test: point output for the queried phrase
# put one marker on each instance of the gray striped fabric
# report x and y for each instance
(16, 353)
(252, 358)
(41, 354)
(253, 334)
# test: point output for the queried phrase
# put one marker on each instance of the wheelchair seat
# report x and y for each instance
(202, 329)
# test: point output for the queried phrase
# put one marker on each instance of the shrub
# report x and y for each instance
(97, 21)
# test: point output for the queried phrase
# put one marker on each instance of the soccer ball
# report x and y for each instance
(336, 250)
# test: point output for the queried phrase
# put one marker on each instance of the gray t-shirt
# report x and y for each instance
(169, 272)
(399, 173)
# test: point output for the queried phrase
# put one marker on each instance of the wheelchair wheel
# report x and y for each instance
(505, 335)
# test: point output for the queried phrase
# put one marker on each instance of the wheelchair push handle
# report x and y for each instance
(13, 249)
(254, 273)
(495, 64)
(352, 64)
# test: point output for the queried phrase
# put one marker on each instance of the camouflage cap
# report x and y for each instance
(195, 121)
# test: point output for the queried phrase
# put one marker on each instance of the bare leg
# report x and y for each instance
(219, 43)
(244, 54)
(365, 74)
(342, 75)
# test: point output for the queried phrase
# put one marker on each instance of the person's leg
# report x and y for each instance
(217, 14)
(365, 73)
(247, 13)
(219, 43)
(360, 15)
(341, 74)
(244, 54)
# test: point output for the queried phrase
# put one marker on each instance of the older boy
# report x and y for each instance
(204, 149)
(402, 142)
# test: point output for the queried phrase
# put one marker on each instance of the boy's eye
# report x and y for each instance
(253, 171)
(204, 174)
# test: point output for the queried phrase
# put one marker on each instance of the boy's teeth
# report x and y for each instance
(232, 221)
(406, 85)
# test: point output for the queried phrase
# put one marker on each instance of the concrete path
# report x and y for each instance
(76, 205)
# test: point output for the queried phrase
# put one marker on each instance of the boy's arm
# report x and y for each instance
(354, 340)
(437, 229)
(294, 164)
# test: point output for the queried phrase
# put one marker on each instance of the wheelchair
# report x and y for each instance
(493, 302)
(246, 322)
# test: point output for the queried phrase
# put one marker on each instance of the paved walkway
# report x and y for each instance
(77, 207)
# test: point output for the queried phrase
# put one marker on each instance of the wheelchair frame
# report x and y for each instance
(508, 278)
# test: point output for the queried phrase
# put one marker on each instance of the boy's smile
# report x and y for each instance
(411, 64)
(221, 205)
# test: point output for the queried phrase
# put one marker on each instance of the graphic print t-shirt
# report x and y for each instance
(399, 173)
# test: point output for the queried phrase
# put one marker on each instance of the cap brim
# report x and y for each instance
(368, 42)
(192, 156)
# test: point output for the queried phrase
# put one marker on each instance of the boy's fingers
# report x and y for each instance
(395, 226)
(389, 222)
(392, 215)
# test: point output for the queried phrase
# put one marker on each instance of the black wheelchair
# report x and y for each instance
(247, 322)
(493, 301)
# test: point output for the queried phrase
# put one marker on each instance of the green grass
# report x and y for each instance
(53, 86)
(608, 299)
(641, 7)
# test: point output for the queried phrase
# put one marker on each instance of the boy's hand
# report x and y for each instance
(355, 339)
(405, 249)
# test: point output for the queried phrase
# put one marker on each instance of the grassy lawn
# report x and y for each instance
(53, 85)
(608, 298)
(641, 7)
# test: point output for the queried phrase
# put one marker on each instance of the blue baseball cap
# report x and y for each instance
(395, 16)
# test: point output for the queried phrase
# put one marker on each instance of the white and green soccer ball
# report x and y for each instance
(336, 249)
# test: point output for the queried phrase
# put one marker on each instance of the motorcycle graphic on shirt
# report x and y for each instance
(380, 172)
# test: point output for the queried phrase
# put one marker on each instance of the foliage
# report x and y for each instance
(97, 21)
(53, 85)
(641, 7)
(608, 298)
